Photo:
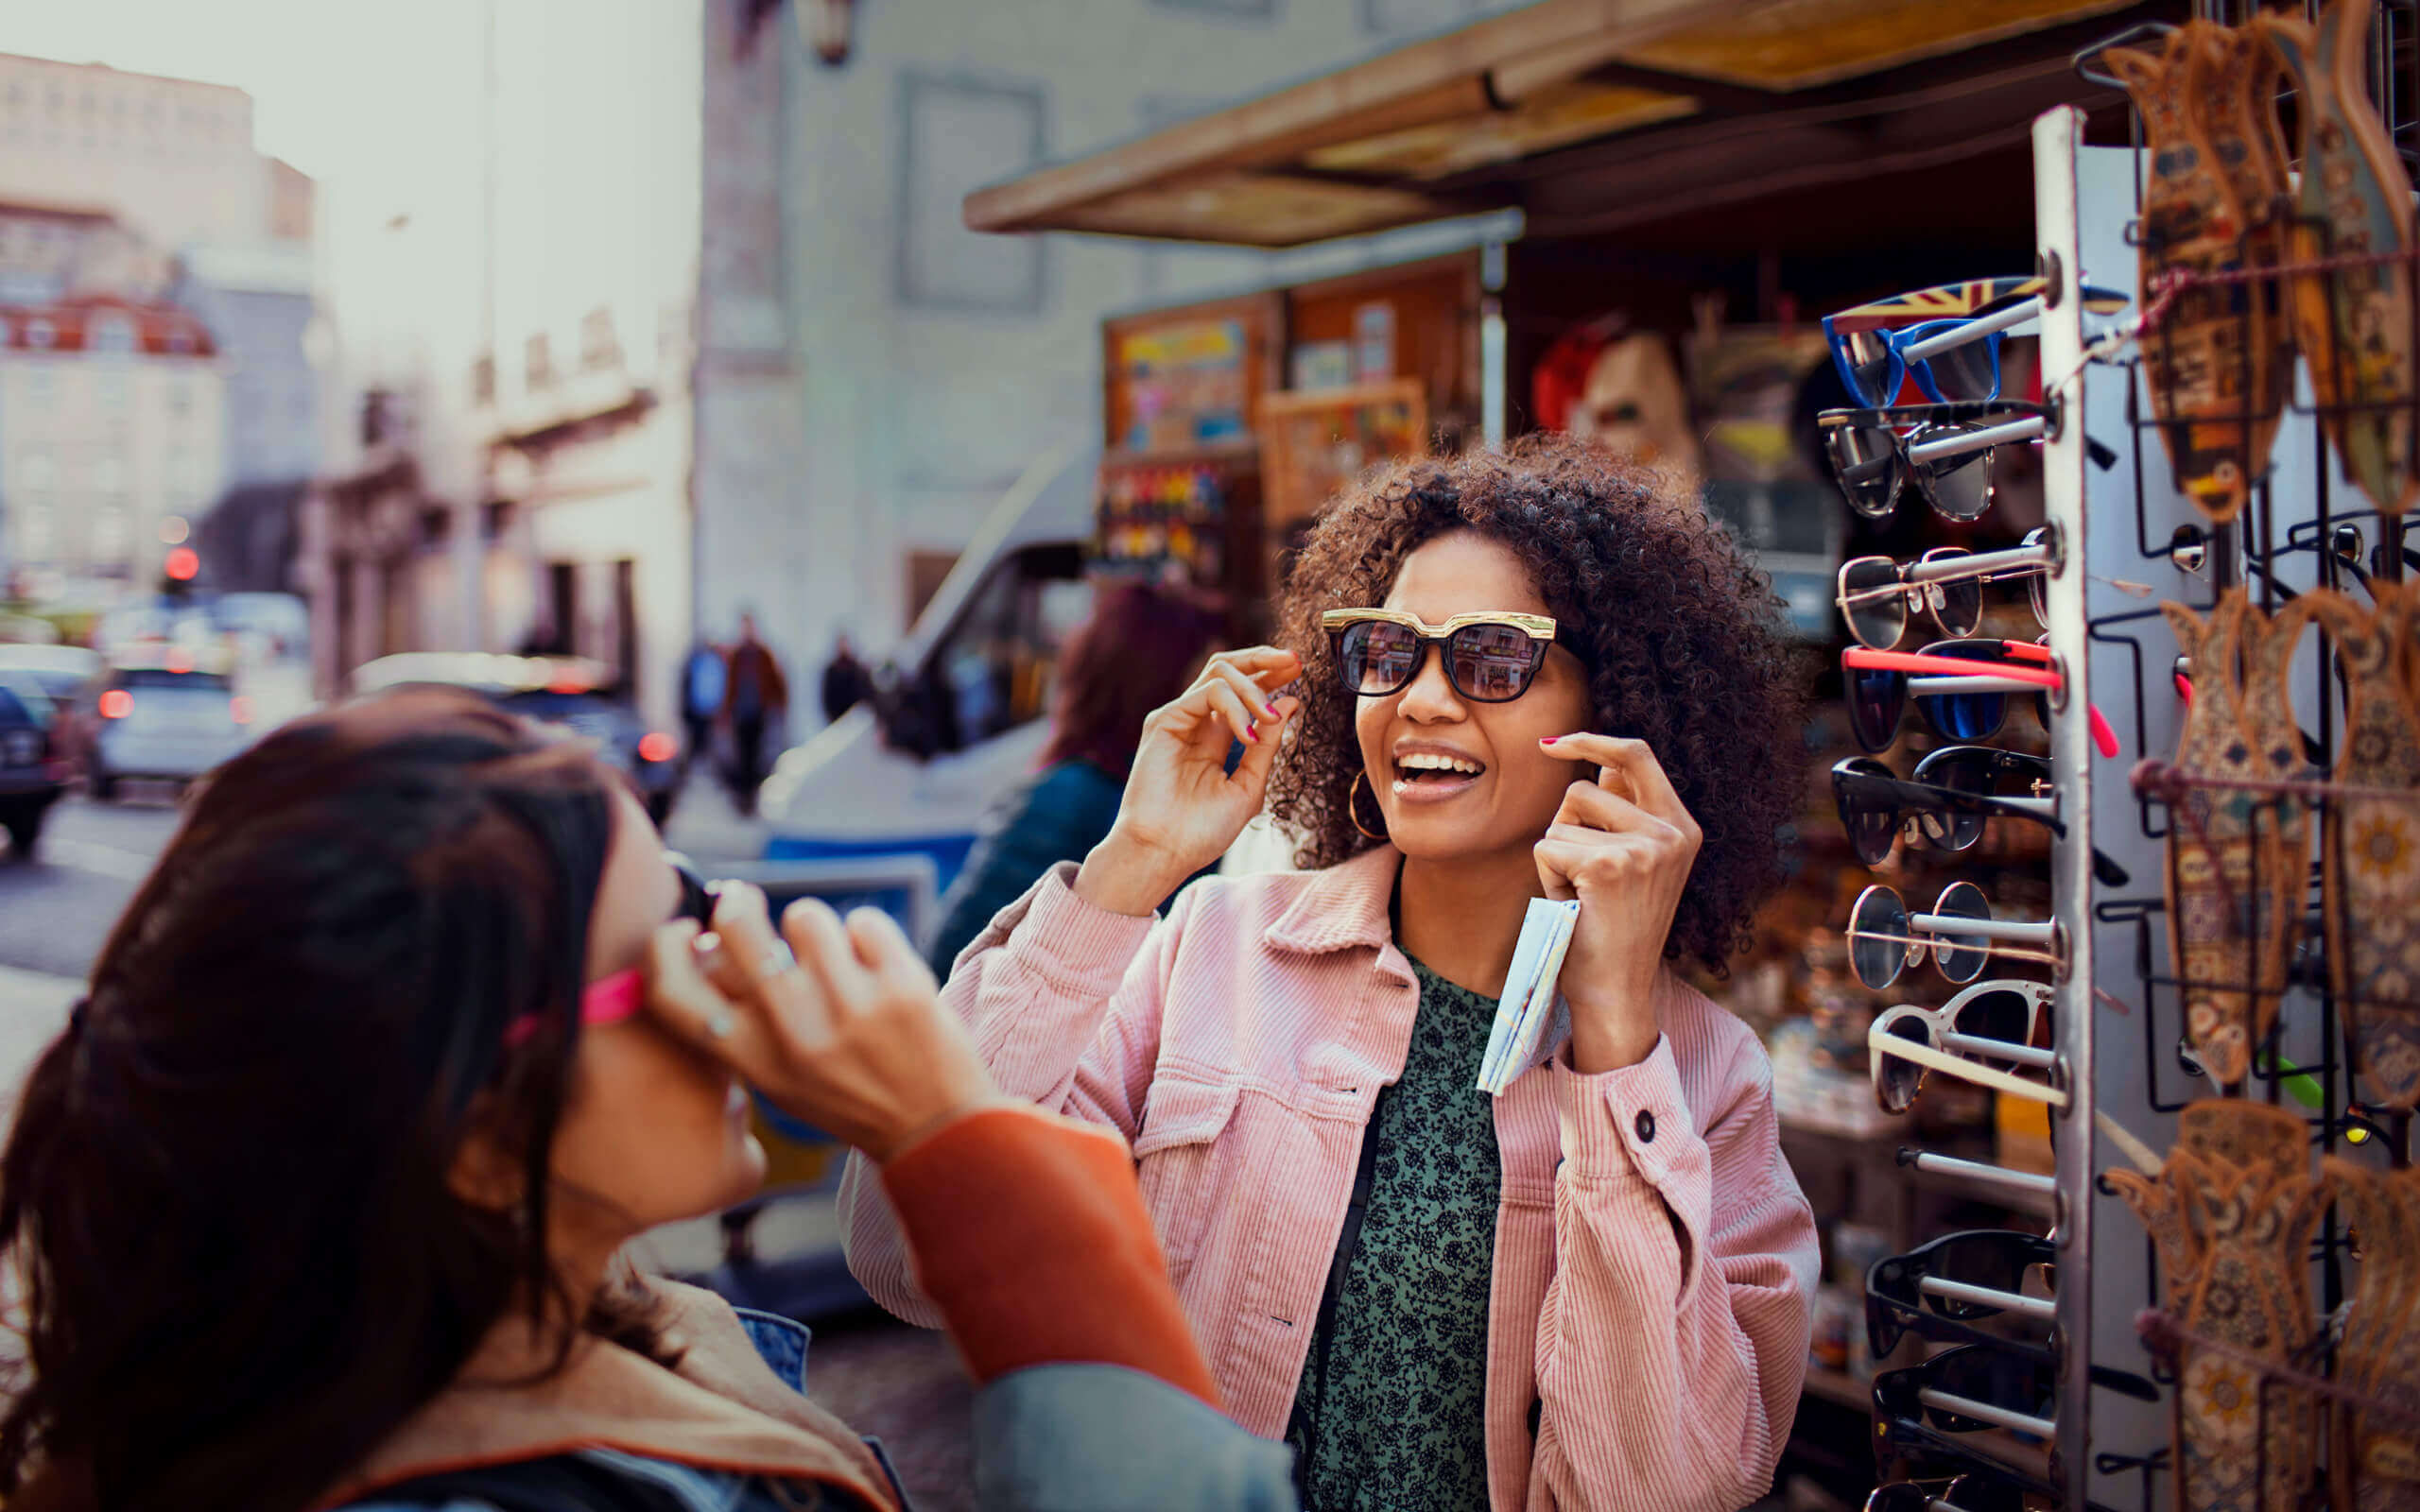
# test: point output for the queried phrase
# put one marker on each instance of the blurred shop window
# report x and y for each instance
(960, 137)
(34, 514)
(109, 530)
(113, 333)
(40, 334)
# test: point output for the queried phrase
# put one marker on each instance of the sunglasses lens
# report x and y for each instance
(1959, 773)
(1900, 1078)
(1872, 602)
(1963, 957)
(1964, 716)
(2000, 1014)
(1960, 604)
(1872, 367)
(1970, 370)
(697, 899)
(1990, 1259)
(1877, 938)
(1875, 699)
(1491, 663)
(1865, 458)
(1377, 657)
(1958, 487)
(1982, 1374)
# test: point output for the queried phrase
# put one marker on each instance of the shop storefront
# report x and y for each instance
(2136, 963)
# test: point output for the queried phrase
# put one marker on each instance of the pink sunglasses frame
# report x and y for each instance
(607, 1000)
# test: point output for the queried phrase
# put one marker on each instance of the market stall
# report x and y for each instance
(2112, 625)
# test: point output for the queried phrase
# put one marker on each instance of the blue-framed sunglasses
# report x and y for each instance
(1947, 337)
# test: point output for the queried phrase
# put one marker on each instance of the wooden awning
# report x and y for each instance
(1587, 115)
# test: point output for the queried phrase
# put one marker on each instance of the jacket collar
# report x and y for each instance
(1342, 907)
(720, 1407)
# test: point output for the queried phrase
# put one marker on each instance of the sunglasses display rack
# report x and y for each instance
(2238, 1041)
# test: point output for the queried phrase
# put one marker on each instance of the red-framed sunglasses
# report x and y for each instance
(612, 999)
(1962, 695)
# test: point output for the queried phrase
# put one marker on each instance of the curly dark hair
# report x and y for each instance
(1683, 633)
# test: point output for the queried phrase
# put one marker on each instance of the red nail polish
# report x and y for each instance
(1548, 740)
(1271, 710)
(1252, 730)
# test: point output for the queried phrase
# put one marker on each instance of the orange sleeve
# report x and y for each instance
(1029, 1235)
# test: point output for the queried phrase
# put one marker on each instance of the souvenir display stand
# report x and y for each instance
(2234, 1047)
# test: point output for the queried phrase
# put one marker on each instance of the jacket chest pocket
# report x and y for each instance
(1187, 1179)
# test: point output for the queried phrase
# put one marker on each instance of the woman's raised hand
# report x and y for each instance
(838, 1022)
(1182, 809)
(1622, 844)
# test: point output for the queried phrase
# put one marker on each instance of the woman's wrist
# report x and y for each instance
(1613, 1036)
(1122, 875)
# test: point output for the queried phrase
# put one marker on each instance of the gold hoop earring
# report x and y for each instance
(1352, 809)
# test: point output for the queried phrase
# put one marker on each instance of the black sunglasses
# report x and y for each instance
(1489, 658)
(696, 894)
(1982, 770)
(1960, 1264)
(1873, 799)
(1960, 1493)
(1944, 449)
(1908, 1438)
(1972, 1389)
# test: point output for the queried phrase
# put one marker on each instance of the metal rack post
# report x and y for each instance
(2059, 254)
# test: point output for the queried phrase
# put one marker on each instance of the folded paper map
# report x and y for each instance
(1532, 1018)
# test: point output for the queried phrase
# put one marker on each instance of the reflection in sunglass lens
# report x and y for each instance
(1377, 656)
(1865, 458)
(1999, 1014)
(1956, 830)
(1970, 370)
(1963, 957)
(1875, 697)
(1960, 487)
(1492, 662)
(1958, 604)
(1873, 368)
(1900, 1081)
(1877, 938)
(1875, 606)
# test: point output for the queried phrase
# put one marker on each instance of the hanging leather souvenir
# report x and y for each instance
(2198, 361)
(2280, 823)
(2370, 847)
(2376, 1463)
(2251, 1135)
(2354, 323)
(2250, 1228)
(2216, 860)
(2231, 101)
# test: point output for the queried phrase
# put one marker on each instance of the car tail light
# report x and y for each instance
(239, 709)
(116, 704)
(655, 746)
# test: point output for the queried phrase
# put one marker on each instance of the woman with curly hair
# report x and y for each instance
(1592, 1291)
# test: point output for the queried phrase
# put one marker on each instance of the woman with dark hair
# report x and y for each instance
(1139, 650)
(320, 1196)
(1512, 676)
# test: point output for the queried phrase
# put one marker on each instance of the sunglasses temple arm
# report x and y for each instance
(1979, 440)
(1974, 330)
(2124, 1382)
(2104, 739)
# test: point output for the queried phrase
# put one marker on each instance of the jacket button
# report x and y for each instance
(1645, 1127)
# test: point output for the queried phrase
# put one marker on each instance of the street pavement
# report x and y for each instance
(897, 1384)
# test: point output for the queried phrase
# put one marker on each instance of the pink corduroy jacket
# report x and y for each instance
(1655, 1257)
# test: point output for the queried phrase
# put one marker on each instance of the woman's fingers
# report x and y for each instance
(885, 950)
(1597, 808)
(1649, 787)
(1261, 754)
(1231, 708)
(691, 1008)
(1270, 665)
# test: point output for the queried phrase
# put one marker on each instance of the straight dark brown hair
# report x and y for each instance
(225, 1198)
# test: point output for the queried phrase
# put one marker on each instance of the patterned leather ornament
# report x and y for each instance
(2377, 1458)
(2370, 847)
(2354, 323)
(2201, 361)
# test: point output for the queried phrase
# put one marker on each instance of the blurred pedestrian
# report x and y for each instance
(703, 678)
(847, 682)
(755, 694)
(358, 1241)
(1139, 650)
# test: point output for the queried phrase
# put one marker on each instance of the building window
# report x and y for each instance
(40, 334)
(959, 136)
(113, 334)
(109, 529)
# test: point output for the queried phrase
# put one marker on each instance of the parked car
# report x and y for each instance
(571, 692)
(165, 714)
(66, 675)
(31, 773)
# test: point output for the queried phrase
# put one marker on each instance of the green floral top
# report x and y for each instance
(1391, 1410)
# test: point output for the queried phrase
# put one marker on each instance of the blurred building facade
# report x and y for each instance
(871, 375)
(141, 201)
(111, 426)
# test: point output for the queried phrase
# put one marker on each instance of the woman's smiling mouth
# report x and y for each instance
(1429, 774)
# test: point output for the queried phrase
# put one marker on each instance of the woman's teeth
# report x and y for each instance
(1427, 767)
